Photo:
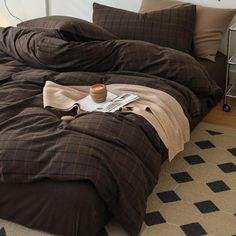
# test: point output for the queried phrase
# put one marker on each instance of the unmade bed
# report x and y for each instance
(71, 180)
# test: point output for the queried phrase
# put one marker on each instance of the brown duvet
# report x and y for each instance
(120, 154)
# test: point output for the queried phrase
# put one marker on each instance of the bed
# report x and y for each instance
(72, 180)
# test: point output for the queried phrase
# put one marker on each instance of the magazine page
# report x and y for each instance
(87, 103)
(112, 103)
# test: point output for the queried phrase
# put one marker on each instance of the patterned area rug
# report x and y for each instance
(196, 194)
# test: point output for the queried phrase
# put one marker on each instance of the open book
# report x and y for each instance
(112, 103)
(66, 98)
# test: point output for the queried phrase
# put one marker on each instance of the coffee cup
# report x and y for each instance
(98, 92)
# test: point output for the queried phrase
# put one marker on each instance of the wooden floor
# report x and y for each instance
(218, 116)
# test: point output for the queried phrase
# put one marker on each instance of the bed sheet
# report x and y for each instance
(61, 208)
(217, 69)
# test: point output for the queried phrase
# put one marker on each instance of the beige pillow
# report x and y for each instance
(156, 5)
(209, 29)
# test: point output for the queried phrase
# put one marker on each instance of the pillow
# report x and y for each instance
(210, 25)
(70, 28)
(169, 28)
(156, 5)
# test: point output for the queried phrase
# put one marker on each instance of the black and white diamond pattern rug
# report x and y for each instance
(196, 193)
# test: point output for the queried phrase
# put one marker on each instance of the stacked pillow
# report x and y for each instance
(169, 23)
(210, 25)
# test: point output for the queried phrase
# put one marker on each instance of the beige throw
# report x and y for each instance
(160, 109)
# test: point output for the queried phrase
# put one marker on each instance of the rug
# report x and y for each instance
(196, 193)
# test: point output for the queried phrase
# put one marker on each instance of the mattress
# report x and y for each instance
(43, 190)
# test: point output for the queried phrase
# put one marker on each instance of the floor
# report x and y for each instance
(196, 193)
(217, 116)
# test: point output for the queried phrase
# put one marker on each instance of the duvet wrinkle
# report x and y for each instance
(41, 50)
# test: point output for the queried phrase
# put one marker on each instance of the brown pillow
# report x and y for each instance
(70, 28)
(161, 27)
(210, 25)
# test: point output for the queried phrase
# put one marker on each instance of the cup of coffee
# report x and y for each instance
(98, 92)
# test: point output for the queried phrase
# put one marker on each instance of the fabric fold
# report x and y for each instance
(160, 109)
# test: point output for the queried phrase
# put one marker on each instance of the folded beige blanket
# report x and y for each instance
(162, 111)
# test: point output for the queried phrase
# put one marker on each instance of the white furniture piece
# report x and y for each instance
(230, 86)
